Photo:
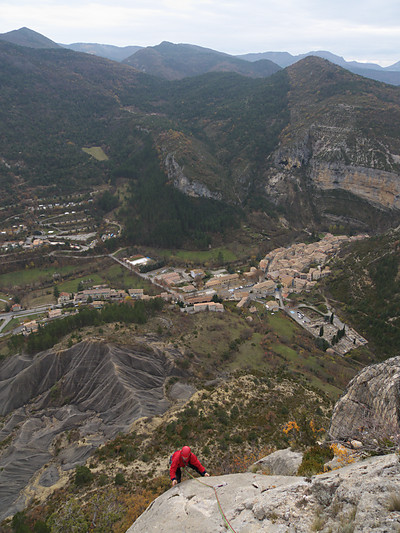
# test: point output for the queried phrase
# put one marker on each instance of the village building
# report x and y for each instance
(272, 305)
(138, 261)
(287, 281)
(98, 304)
(203, 297)
(54, 313)
(166, 296)
(274, 275)
(188, 288)
(169, 279)
(263, 264)
(136, 294)
(63, 298)
(117, 295)
(211, 306)
(240, 293)
(253, 276)
(30, 327)
(230, 280)
(299, 284)
(197, 273)
(244, 302)
(264, 288)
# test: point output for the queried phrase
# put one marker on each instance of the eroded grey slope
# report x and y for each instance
(94, 388)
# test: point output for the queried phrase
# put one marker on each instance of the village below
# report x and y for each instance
(68, 226)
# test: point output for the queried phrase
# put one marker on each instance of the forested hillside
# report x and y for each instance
(313, 142)
(366, 289)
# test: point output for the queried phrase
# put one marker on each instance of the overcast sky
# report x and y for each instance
(367, 30)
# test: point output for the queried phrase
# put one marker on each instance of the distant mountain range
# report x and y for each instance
(389, 74)
(108, 51)
(177, 61)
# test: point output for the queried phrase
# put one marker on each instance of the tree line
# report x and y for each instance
(48, 335)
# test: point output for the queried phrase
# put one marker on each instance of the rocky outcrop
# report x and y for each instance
(280, 463)
(370, 408)
(60, 406)
(182, 183)
(356, 497)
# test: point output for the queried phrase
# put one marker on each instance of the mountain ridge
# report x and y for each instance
(388, 74)
(177, 61)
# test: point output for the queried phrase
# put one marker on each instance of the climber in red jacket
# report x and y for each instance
(182, 458)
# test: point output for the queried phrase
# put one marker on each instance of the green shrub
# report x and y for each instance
(252, 436)
(130, 453)
(83, 476)
(119, 479)
(103, 479)
(314, 459)
(41, 527)
(19, 524)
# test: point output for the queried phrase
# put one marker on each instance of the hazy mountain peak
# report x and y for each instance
(109, 51)
(27, 37)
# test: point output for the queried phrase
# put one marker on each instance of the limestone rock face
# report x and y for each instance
(60, 406)
(370, 407)
(280, 463)
(326, 155)
(374, 185)
(357, 495)
(186, 186)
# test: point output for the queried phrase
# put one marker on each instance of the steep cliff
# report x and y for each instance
(370, 408)
(338, 140)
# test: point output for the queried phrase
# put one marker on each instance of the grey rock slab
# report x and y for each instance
(192, 507)
(355, 496)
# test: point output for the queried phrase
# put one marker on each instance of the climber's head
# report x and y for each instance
(185, 453)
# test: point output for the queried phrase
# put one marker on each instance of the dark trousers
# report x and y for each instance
(178, 474)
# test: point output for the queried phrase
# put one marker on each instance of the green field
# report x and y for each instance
(250, 355)
(107, 273)
(14, 322)
(217, 255)
(31, 275)
(282, 325)
(116, 276)
(96, 152)
(72, 284)
(4, 300)
(17, 321)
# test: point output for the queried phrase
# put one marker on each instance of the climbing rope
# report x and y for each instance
(216, 496)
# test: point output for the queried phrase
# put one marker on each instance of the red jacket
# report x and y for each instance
(178, 462)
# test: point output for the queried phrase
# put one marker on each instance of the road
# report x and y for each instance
(7, 317)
